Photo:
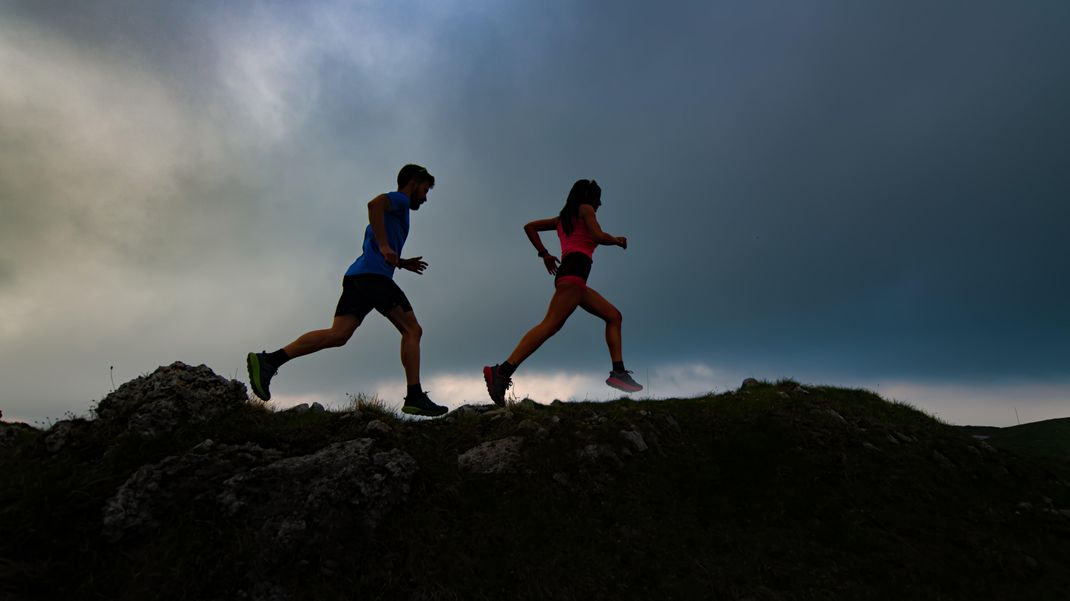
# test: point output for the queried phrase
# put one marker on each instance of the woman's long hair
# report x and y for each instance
(583, 192)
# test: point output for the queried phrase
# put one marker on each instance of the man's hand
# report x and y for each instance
(389, 254)
(416, 264)
(622, 242)
(551, 264)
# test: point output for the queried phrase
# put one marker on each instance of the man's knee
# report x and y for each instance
(615, 318)
(340, 336)
(411, 329)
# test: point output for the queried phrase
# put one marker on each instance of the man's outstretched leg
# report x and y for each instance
(416, 400)
(263, 366)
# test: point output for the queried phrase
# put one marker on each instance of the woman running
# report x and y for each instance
(580, 233)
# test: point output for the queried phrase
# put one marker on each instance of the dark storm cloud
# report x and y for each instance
(820, 190)
(862, 182)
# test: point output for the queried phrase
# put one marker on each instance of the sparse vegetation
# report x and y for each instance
(774, 491)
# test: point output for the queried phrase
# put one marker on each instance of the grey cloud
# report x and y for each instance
(856, 191)
(840, 170)
(7, 274)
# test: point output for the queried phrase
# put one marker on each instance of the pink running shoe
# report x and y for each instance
(622, 380)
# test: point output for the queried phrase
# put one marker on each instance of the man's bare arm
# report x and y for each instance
(377, 218)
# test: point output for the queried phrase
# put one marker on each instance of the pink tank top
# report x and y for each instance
(579, 241)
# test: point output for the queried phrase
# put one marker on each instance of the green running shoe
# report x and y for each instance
(260, 374)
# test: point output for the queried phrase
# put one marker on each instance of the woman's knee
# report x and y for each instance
(615, 317)
(552, 326)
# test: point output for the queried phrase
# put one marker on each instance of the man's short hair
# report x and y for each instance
(410, 172)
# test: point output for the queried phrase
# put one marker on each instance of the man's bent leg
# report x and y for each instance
(411, 332)
(416, 400)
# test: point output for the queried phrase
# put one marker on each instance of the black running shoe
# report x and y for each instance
(421, 404)
(622, 380)
(260, 374)
(497, 384)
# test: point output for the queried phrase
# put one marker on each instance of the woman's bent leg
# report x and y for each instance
(597, 305)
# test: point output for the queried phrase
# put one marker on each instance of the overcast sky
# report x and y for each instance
(850, 193)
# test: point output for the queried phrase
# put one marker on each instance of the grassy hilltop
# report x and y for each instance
(773, 492)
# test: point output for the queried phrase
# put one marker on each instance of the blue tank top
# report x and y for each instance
(397, 230)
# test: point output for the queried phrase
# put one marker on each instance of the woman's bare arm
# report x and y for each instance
(532, 229)
(587, 214)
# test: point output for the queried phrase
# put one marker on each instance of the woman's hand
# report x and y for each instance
(416, 264)
(622, 242)
(551, 264)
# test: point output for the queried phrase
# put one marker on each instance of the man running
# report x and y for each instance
(368, 284)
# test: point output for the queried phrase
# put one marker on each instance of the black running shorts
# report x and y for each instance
(574, 265)
(364, 292)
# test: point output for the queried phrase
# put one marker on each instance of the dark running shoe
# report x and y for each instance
(622, 380)
(497, 384)
(260, 374)
(421, 404)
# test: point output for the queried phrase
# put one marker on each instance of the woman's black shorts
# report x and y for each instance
(363, 292)
(574, 265)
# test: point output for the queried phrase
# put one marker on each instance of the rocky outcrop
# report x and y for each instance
(290, 499)
(493, 457)
(139, 504)
(295, 497)
(10, 431)
(170, 396)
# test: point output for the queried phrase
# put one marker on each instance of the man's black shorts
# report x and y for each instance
(364, 292)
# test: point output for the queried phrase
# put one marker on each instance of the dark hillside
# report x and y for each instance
(1048, 438)
(180, 488)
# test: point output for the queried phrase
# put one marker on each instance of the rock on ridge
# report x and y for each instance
(137, 504)
(500, 456)
(170, 396)
(288, 499)
(342, 480)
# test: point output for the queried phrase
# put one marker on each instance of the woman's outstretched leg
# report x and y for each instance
(566, 298)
